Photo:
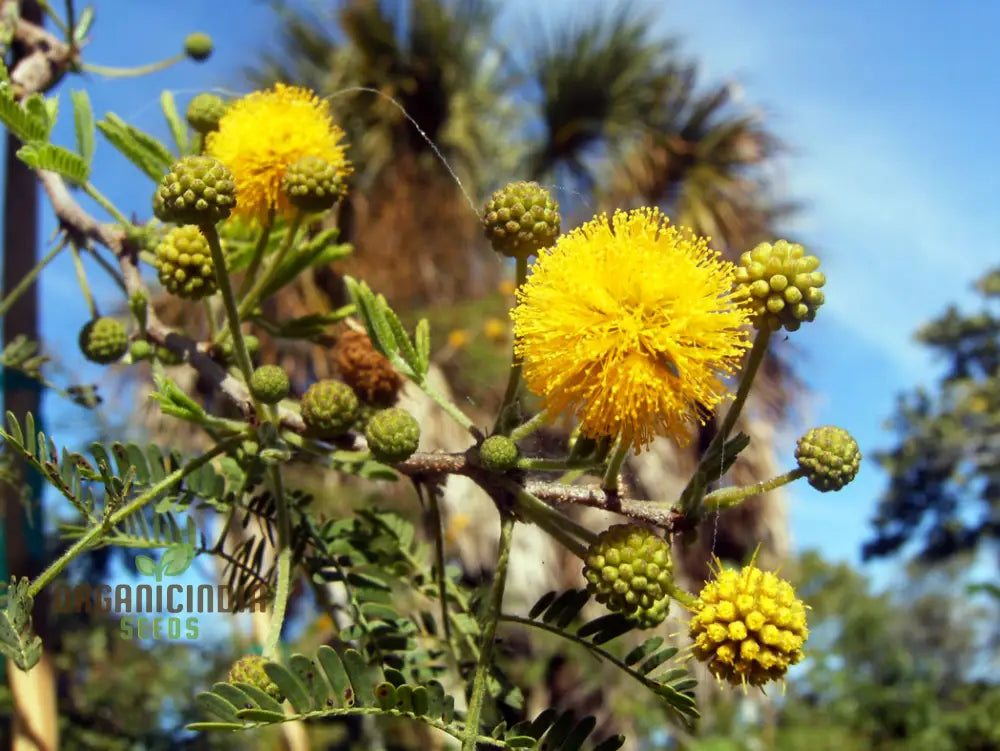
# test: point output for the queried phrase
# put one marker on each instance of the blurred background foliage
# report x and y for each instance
(610, 115)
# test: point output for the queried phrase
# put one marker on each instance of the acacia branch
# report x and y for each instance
(84, 230)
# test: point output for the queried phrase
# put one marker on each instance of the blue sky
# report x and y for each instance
(887, 109)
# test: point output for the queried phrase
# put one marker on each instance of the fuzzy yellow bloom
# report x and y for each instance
(748, 626)
(631, 325)
(264, 133)
(458, 338)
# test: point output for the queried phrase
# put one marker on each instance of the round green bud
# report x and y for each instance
(198, 46)
(103, 340)
(184, 263)
(829, 457)
(629, 570)
(329, 408)
(392, 435)
(141, 350)
(312, 184)
(204, 112)
(520, 219)
(228, 354)
(167, 356)
(365, 413)
(196, 190)
(269, 384)
(250, 670)
(498, 453)
(782, 284)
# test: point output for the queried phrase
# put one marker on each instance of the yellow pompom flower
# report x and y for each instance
(631, 325)
(748, 626)
(263, 134)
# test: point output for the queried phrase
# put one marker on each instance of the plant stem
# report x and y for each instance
(728, 497)
(610, 481)
(525, 429)
(561, 527)
(489, 629)
(29, 278)
(111, 270)
(232, 315)
(258, 256)
(127, 510)
(106, 204)
(753, 364)
(554, 465)
(109, 71)
(509, 402)
(248, 303)
(284, 573)
(692, 499)
(448, 406)
(81, 278)
(435, 509)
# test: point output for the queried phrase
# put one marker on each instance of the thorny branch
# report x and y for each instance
(47, 62)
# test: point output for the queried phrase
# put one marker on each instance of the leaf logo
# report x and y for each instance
(175, 561)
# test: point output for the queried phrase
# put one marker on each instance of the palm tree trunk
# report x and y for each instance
(35, 722)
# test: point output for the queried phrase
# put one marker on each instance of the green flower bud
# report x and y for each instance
(184, 263)
(103, 340)
(392, 435)
(498, 453)
(782, 283)
(329, 408)
(520, 219)
(829, 456)
(250, 670)
(629, 570)
(204, 112)
(198, 46)
(312, 184)
(269, 384)
(141, 350)
(197, 190)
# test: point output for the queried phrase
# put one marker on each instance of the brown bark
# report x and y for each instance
(35, 720)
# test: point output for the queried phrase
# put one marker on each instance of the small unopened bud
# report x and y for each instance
(198, 46)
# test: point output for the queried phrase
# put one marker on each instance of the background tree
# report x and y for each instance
(944, 472)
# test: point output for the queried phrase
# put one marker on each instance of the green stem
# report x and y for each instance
(81, 278)
(111, 270)
(682, 596)
(610, 481)
(554, 465)
(250, 301)
(109, 71)
(284, 573)
(753, 364)
(209, 317)
(106, 204)
(564, 529)
(125, 511)
(232, 315)
(435, 509)
(729, 497)
(692, 499)
(510, 397)
(448, 406)
(529, 427)
(29, 278)
(258, 256)
(490, 619)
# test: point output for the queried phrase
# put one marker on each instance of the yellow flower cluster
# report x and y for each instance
(630, 324)
(748, 626)
(263, 134)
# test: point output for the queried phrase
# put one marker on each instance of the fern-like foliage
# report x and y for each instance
(23, 355)
(340, 684)
(143, 150)
(17, 641)
(121, 470)
(555, 612)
